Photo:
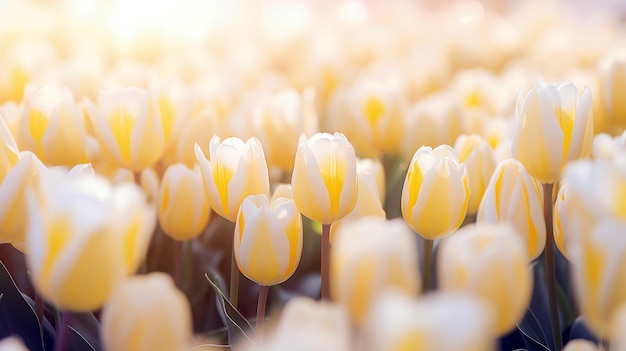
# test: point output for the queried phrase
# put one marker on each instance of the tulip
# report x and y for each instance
(146, 313)
(128, 127)
(616, 329)
(442, 322)
(84, 235)
(563, 219)
(268, 239)
(436, 192)
(235, 170)
(373, 168)
(324, 180)
(370, 255)
(183, 214)
(612, 85)
(581, 345)
(554, 126)
(53, 127)
(514, 196)
(480, 162)
(488, 261)
(9, 153)
(12, 343)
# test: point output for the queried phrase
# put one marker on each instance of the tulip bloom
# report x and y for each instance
(128, 127)
(324, 180)
(436, 192)
(514, 196)
(235, 170)
(370, 255)
(480, 162)
(183, 213)
(147, 313)
(554, 126)
(53, 127)
(268, 239)
(489, 262)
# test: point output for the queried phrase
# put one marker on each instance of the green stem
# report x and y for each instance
(550, 269)
(325, 261)
(234, 280)
(63, 332)
(260, 312)
(426, 264)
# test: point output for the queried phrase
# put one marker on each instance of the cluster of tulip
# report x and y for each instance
(373, 156)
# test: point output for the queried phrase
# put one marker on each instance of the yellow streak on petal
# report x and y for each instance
(292, 232)
(122, 123)
(59, 234)
(533, 236)
(415, 179)
(221, 177)
(566, 121)
(333, 172)
(166, 110)
(37, 125)
(131, 241)
(241, 222)
(373, 109)
(473, 99)
(361, 289)
(262, 265)
(412, 341)
(166, 196)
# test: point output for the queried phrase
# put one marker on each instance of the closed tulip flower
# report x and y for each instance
(128, 127)
(554, 126)
(612, 84)
(268, 239)
(183, 209)
(370, 255)
(436, 192)
(53, 127)
(513, 196)
(489, 262)
(234, 170)
(324, 180)
(480, 162)
(442, 322)
(146, 313)
(83, 236)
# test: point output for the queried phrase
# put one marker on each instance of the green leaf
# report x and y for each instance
(237, 325)
(87, 329)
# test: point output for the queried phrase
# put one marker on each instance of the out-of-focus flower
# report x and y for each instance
(183, 208)
(563, 219)
(268, 239)
(368, 256)
(10, 113)
(399, 322)
(282, 190)
(53, 127)
(514, 196)
(616, 330)
(581, 345)
(436, 192)
(554, 126)
(480, 162)
(324, 180)
(482, 89)
(9, 152)
(373, 168)
(612, 77)
(128, 127)
(490, 262)
(235, 170)
(605, 146)
(83, 236)
(12, 343)
(146, 313)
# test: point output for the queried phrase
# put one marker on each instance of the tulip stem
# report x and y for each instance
(187, 264)
(325, 261)
(234, 280)
(550, 270)
(260, 312)
(63, 332)
(428, 257)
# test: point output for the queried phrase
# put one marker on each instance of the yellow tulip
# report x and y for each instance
(53, 127)
(128, 127)
(368, 256)
(480, 162)
(489, 262)
(235, 170)
(436, 192)
(324, 180)
(268, 239)
(442, 322)
(581, 345)
(147, 313)
(514, 196)
(554, 126)
(183, 209)
(83, 236)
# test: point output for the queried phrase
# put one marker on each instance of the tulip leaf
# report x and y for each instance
(17, 316)
(236, 324)
(87, 328)
(580, 330)
(78, 342)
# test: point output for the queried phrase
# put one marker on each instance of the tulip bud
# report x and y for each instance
(268, 239)
(554, 126)
(581, 345)
(368, 256)
(373, 168)
(480, 162)
(53, 127)
(146, 313)
(183, 208)
(324, 180)
(84, 236)
(442, 322)
(234, 171)
(514, 196)
(128, 128)
(490, 262)
(435, 193)
(12, 343)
